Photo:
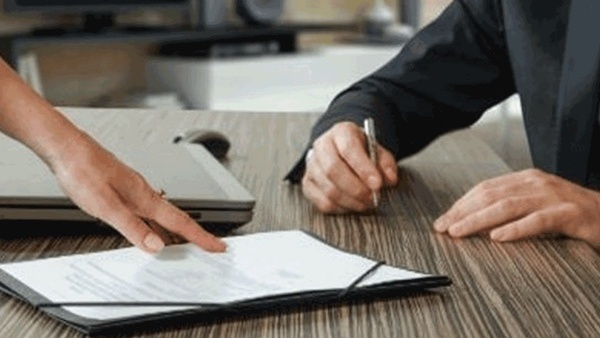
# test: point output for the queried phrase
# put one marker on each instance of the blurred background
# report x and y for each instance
(154, 53)
(82, 73)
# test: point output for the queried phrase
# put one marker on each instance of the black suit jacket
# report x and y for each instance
(476, 54)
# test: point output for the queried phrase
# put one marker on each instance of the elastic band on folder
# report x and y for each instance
(134, 304)
(360, 279)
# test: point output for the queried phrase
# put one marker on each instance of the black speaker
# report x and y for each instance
(259, 12)
(211, 13)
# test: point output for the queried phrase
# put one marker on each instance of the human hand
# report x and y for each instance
(109, 190)
(340, 176)
(525, 204)
(93, 178)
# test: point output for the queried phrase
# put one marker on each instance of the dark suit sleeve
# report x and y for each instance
(443, 79)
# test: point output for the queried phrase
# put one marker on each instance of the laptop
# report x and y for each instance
(190, 176)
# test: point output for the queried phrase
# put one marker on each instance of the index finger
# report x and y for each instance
(353, 151)
(329, 167)
(179, 222)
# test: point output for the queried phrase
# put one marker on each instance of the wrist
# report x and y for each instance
(58, 143)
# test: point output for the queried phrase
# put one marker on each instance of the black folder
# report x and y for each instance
(369, 279)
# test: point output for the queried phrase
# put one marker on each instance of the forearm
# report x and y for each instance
(92, 177)
(28, 118)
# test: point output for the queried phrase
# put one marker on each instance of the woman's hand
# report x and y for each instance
(109, 190)
(93, 178)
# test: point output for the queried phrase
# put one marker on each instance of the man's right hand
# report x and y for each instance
(340, 176)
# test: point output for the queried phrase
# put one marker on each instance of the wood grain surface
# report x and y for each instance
(546, 287)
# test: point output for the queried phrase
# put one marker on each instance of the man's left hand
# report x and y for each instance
(525, 204)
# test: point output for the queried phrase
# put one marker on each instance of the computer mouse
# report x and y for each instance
(215, 142)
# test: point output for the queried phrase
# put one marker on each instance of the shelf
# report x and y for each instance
(12, 45)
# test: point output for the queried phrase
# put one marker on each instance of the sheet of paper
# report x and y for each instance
(256, 265)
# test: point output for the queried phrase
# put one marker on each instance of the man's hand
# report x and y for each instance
(525, 204)
(340, 177)
(109, 190)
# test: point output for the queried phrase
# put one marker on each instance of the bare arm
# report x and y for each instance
(92, 177)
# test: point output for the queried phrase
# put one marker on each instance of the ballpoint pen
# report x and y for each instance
(369, 127)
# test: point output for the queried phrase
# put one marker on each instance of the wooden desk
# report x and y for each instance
(538, 288)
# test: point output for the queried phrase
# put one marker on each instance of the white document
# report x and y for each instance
(254, 266)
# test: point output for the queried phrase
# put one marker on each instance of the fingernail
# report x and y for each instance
(390, 173)
(438, 225)
(372, 182)
(153, 242)
(498, 235)
(221, 245)
(454, 231)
